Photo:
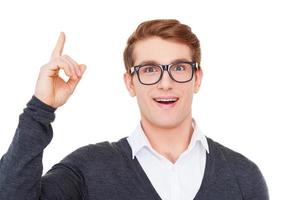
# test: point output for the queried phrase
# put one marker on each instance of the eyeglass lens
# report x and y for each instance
(180, 72)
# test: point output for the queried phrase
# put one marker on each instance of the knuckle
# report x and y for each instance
(66, 56)
(46, 66)
(69, 58)
(56, 59)
(62, 61)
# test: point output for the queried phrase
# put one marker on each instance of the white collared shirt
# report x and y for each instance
(172, 181)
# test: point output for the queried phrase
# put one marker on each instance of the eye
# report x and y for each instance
(179, 67)
(149, 69)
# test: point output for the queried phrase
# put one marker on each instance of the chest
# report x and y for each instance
(174, 181)
(132, 182)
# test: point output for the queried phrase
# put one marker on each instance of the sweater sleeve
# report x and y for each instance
(248, 176)
(21, 166)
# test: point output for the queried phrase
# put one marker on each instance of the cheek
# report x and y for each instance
(143, 98)
(187, 99)
(187, 96)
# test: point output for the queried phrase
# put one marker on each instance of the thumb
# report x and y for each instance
(72, 83)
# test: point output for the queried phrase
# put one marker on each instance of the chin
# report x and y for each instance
(166, 123)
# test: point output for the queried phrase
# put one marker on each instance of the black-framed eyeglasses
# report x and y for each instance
(149, 74)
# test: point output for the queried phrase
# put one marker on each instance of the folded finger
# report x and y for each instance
(70, 66)
(74, 64)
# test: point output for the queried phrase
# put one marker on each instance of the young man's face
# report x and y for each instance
(152, 112)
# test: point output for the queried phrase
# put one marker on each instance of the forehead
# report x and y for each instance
(160, 50)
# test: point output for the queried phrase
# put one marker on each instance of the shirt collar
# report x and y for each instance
(138, 139)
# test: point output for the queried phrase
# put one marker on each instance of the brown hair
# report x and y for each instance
(170, 29)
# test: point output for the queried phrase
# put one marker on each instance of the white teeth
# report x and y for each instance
(166, 100)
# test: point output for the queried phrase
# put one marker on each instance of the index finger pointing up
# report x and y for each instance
(58, 49)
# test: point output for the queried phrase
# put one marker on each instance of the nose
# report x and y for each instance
(166, 82)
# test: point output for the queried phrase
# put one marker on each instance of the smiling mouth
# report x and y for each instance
(166, 101)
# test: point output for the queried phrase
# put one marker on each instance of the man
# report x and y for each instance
(166, 157)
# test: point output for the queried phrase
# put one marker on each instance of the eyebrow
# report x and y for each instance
(174, 61)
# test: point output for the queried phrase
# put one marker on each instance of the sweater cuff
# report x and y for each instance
(40, 111)
(40, 104)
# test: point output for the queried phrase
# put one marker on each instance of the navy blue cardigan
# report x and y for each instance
(106, 170)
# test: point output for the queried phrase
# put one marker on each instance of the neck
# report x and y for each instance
(169, 142)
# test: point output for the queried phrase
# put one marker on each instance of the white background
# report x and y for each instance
(250, 95)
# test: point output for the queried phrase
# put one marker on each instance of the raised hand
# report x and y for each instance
(52, 89)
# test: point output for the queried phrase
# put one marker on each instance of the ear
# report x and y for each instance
(198, 79)
(129, 84)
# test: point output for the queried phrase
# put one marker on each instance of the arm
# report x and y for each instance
(248, 176)
(21, 167)
(257, 190)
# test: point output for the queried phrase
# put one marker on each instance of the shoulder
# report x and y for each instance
(92, 155)
(234, 158)
(246, 172)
